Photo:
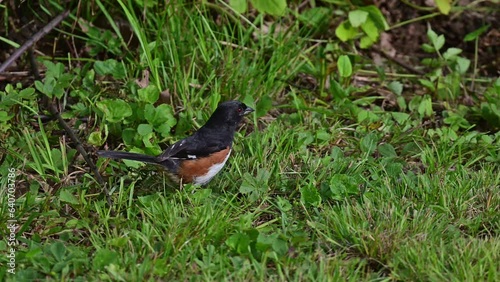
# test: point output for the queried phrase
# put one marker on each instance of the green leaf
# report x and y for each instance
(144, 129)
(256, 186)
(9, 89)
(110, 67)
(431, 35)
(264, 242)
(239, 242)
(345, 31)
(164, 130)
(88, 80)
(393, 169)
(272, 7)
(47, 87)
(338, 91)
(103, 258)
(443, 6)
(342, 185)
(371, 30)
(280, 246)
(368, 143)
(263, 176)
(58, 250)
(161, 115)
(380, 72)
(476, 33)
(150, 94)
(150, 113)
(247, 186)
(284, 204)
(451, 53)
(462, 65)
(400, 118)
(428, 84)
(425, 107)
(491, 113)
(323, 135)
(149, 141)
(396, 87)
(487, 139)
(315, 17)
(114, 110)
(310, 196)
(368, 116)
(128, 136)
(4, 116)
(365, 42)
(344, 66)
(437, 41)
(428, 48)
(376, 16)
(57, 157)
(387, 150)
(66, 196)
(264, 105)
(27, 93)
(53, 70)
(357, 17)
(95, 138)
(401, 102)
(239, 6)
(456, 121)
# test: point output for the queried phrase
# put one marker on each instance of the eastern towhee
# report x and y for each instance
(199, 157)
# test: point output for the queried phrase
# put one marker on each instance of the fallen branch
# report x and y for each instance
(52, 108)
(46, 29)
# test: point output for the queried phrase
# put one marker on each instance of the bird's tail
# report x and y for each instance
(127, 156)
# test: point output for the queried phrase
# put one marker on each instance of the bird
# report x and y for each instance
(198, 158)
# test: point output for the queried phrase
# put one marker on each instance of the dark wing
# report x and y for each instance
(175, 150)
(191, 148)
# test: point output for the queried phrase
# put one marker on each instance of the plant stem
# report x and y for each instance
(414, 20)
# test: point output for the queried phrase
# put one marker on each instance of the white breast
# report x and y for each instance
(202, 180)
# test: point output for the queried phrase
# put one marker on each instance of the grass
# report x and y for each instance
(324, 184)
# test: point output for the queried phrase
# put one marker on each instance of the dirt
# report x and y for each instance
(407, 39)
(403, 43)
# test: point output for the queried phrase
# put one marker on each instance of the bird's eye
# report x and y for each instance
(239, 110)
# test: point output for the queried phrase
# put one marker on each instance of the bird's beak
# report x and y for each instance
(247, 111)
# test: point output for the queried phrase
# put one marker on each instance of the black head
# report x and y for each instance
(228, 115)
